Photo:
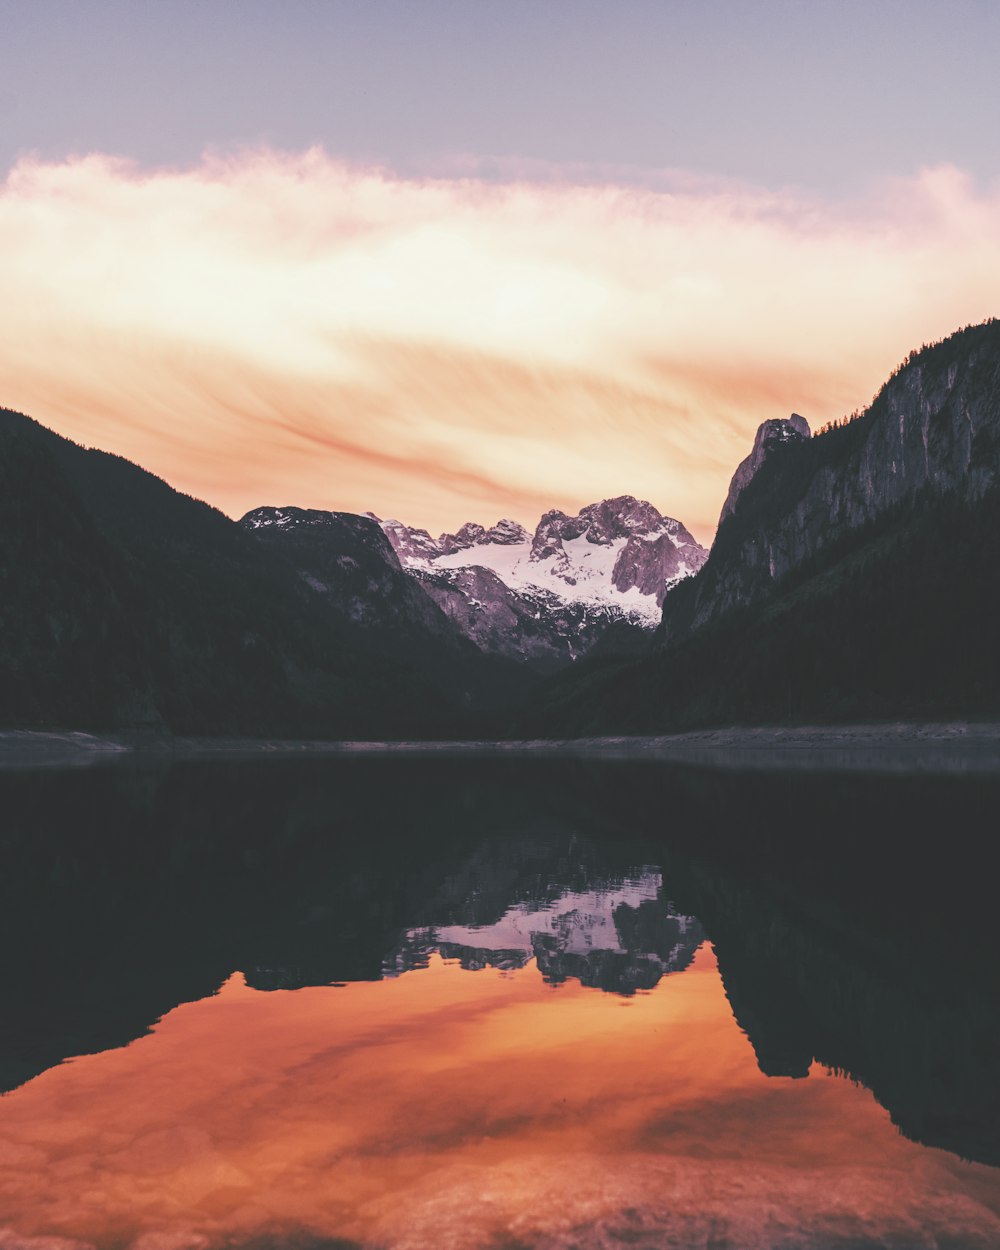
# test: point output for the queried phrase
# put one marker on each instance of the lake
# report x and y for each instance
(499, 1004)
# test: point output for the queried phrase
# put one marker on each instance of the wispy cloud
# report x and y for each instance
(277, 328)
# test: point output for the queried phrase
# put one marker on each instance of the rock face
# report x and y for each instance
(770, 434)
(548, 597)
(932, 431)
(504, 534)
(857, 577)
(655, 565)
(651, 552)
(469, 533)
(350, 562)
(409, 544)
(532, 625)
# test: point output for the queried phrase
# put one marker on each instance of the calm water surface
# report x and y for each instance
(421, 1004)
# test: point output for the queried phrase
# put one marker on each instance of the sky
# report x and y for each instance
(457, 261)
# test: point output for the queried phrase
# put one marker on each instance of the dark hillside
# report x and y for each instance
(127, 603)
(71, 638)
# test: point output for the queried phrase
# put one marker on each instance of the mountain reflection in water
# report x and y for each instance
(389, 1098)
(619, 936)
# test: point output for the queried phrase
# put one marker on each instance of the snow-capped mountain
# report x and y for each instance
(557, 589)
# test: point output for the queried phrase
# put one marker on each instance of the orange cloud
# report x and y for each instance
(287, 329)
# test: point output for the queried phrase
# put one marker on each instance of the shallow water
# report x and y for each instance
(417, 1004)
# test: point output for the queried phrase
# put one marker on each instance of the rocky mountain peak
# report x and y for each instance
(602, 523)
(645, 551)
(505, 533)
(466, 537)
(620, 517)
(549, 533)
(349, 533)
(770, 434)
(409, 544)
(551, 594)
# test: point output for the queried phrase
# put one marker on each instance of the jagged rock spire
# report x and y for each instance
(770, 434)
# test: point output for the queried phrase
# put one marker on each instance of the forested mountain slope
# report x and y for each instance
(125, 603)
(857, 574)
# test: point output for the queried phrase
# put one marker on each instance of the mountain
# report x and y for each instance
(348, 562)
(932, 433)
(547, 598)
(855, 574)
(539, 628)
(127, 603)
(770, 434)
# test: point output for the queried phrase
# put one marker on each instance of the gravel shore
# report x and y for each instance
(953, 746)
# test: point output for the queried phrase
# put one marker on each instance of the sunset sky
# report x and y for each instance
(455, 261)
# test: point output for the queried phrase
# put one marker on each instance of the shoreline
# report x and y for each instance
(898, 746)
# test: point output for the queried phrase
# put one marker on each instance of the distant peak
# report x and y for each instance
(604, 522)
(506, 533)
(468, 535)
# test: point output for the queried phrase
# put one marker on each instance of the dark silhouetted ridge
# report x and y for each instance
(855, 576)
(126, 603)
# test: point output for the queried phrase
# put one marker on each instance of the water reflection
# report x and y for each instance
(620, 936)
(446, 1109)
(414, 1104)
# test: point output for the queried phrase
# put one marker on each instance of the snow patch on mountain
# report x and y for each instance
(584, 574)
(583, 920)
(619, 553)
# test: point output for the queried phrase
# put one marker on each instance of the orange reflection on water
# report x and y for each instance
(456, 1109)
